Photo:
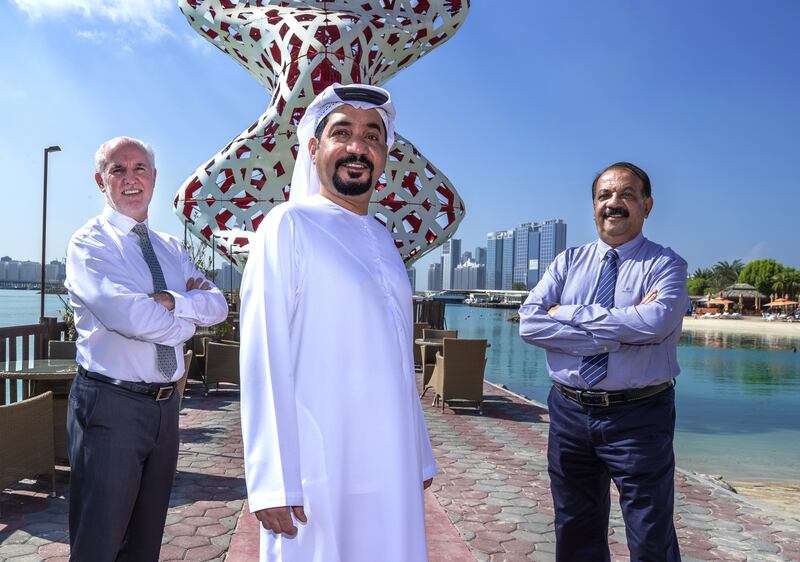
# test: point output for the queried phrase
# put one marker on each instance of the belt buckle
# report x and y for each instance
(602, 396)
(164, 393)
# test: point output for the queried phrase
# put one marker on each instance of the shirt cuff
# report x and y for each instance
(566, 312)
(258, 502)
(183, 305)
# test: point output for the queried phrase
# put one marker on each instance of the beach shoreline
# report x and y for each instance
(746, 325)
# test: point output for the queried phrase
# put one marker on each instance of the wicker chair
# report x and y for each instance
(26, 441)
(429, 352)
(180, 386)
(222, 364)
(458, 374)
(61, 349)
(418, 327)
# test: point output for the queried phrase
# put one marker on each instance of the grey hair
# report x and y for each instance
(101, 156)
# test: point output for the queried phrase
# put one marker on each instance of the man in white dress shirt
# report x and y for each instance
(137, 297)
(336, 450)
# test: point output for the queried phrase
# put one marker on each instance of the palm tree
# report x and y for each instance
(724, 273)
(786, 283)
(702, 273)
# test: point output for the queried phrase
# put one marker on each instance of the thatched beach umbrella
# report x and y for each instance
(742, 292)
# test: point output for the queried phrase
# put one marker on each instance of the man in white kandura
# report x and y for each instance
(336, 450)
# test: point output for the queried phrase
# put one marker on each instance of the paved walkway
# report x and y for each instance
(490, 502)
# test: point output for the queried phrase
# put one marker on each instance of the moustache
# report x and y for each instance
(616, 212)
(352, 159)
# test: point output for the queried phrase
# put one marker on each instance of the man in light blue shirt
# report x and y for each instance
(609, 315)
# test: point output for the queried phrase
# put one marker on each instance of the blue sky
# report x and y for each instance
(520, 109)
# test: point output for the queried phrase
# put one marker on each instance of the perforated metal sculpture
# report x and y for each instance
(295, 49)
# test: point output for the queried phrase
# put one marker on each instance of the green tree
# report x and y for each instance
(787, 282)
(702, 273)
(697, 286)
(760, 274)
(519, 286)
(724, 274)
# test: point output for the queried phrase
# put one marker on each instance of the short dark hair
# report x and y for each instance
(632, 168)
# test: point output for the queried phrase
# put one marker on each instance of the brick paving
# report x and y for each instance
(493, 483)
(493, 487)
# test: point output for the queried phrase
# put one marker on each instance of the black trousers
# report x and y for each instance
(630, 443)
(123, 450)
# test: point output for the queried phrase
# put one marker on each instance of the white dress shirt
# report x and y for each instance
(117, 322)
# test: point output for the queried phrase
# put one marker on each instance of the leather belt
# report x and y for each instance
(600, 398)
(158, 391)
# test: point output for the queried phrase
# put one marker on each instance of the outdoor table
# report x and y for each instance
(37, 378)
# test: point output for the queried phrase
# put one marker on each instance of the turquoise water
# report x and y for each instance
(19, 308)
(738, 396)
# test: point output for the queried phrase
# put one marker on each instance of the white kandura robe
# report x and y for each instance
(331, 419)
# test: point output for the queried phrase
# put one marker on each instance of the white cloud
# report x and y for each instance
(146, 16)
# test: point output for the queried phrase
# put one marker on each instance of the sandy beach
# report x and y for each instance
(746, 325)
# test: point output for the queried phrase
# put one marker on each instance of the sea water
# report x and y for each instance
(737, 397)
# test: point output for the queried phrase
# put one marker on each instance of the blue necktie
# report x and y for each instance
(167, 363)
(594, 368)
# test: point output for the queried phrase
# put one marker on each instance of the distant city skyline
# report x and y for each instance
(706, 104)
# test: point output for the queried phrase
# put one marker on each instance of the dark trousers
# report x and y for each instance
(123, 450)
(630, 443)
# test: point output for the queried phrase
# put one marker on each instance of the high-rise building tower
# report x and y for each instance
(507, 279)
(451, 255)
(494, 260)
(435, 277)
(534, 244)
(412, 277)
(553, 242)
(480, 255)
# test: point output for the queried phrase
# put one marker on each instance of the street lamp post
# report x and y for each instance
(47, 152)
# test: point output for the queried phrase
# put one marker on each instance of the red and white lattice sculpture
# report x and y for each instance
(296, 48)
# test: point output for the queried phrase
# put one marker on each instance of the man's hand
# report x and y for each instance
(197, 283)
(164, 299)
(279, 519)
(552, 310)
(649, 297)
(427, 483)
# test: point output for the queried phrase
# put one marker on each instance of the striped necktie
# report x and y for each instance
(167, 362)
(594, 368)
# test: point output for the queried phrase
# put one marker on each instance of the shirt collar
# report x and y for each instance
(625, 251)
(121, 222)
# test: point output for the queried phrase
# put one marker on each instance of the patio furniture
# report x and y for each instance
(418, 327)
(221, 364)
(458, 374)
(26, 441)
(180, 386)
(61, 349)
(37, 377)
(433, 342)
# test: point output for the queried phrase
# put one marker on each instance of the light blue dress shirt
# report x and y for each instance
(641, 339)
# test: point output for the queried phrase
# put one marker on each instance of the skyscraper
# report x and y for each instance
(469, 275)
(522, 252)
(553, 242)
(451, 255)
(507, 279)
(480, 255)
(494, 260)
(412, 277)
(435, 277)
(534, 244)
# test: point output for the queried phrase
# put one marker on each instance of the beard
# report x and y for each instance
(353, 187)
